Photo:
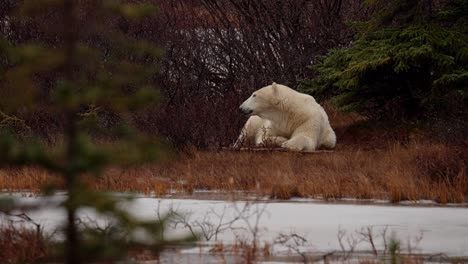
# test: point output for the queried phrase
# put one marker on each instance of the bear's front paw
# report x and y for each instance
(291, 145)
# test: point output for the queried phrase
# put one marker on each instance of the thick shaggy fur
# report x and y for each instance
(280, 115)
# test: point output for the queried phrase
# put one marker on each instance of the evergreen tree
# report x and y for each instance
(409, 60)
(84, 49)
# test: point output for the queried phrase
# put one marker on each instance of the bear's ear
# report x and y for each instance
(274, 86)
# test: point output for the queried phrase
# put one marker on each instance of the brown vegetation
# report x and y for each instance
(19, 244)
(413, 171)
(398, 163)
(216, 53)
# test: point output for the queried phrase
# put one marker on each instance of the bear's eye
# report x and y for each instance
(254, 95)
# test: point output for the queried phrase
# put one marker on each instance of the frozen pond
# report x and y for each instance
(300, 227)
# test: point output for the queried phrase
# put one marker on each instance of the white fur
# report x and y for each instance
(285, 117)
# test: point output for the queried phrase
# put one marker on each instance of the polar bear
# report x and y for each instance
(285, 117)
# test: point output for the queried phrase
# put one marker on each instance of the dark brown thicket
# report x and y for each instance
(215, 54)
(218, 52)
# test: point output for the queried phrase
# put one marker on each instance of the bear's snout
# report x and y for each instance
(245, 111)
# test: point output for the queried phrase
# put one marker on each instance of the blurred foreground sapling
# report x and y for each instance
(114, 72)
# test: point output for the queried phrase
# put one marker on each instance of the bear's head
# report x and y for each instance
(262, 102)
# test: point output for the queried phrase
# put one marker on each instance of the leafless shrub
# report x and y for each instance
(391, 244)
(293, 242)
(21, 244)
(413, 242)
(347, 242)
(383, 234)
(209, 227)
(368, 236)
(22, 218)
(103, 228)
(251, 213)
(240, 218)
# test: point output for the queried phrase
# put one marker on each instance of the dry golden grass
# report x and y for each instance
(399, 172)
(397, 163)
(416, 171)
(27, 178)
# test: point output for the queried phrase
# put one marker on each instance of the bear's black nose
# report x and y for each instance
(245, 111)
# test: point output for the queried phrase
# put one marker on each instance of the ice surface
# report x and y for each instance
(443, 229)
